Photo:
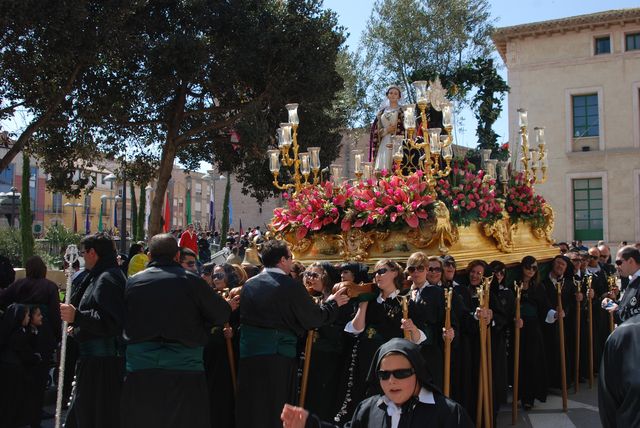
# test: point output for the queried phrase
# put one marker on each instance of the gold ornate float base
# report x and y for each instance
(502, 241)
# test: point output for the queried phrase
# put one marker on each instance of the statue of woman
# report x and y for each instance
(388, 122)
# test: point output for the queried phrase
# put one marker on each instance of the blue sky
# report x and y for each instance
(354, 14)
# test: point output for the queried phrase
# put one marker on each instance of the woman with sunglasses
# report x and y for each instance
(403, 395)
(501, 332)
(216, 360)
(425, 274)
(376, 322)
(535, 310)
(327, 351)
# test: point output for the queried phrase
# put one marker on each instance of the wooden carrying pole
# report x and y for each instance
(232, 361)
(516, 358)
(489, 357)
(590, 338)
(576, 377)
(483, 398)
(447, 343)
(404, 301)
(305, 369)
(563, 367)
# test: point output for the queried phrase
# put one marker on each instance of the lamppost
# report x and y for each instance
(212, 211)
(123, 226)
(13, 205)
(75, 220)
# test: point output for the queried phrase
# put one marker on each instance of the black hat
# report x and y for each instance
(449, 260)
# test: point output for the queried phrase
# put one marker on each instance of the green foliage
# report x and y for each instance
(26, 220)
(58, 238)
(10, 245)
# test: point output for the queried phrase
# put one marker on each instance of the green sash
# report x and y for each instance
(103, 347)
(164, 356)
(255, 341)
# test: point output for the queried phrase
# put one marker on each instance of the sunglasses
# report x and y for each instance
(594, 257)
(398, 373)
(435, 269)
(218, 276)
(314, 275)
(381, 271)
(619, 262)
(534, 267)
(412, 269)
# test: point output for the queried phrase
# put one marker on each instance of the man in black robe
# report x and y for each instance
(619, 378)
(96, 314)
(275, 310)
(169, 313)
(628, 264)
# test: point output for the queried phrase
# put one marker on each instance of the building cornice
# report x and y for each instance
(592, 21)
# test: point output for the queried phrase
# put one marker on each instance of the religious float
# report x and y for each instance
(418, 198)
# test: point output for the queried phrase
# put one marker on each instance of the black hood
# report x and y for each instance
(11, 321)
(412, 352)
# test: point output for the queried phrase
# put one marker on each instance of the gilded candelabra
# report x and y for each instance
(533, 159)
(303, 163)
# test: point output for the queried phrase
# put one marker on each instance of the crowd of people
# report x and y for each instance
(168, 338)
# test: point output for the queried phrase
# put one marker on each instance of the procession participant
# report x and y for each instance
(504, 312)
(169, 311)
(376, 322)
(628, 264)
(618, 382)
(561, 272)
(601, 289)
(327, 350)
(95, 316)
(188, 259)
(354, 271)
(580, 278)
(535, 310)
(404, 396)
(274, 311)
(425, 274)
(189, 239)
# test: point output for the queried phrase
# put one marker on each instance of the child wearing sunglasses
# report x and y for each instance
(404, 396)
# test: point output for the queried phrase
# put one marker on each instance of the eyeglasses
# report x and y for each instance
(532, 267)
(619, 262)
(218, 276)
(594, 257)
(604, 257)
(412, 269)
(314, 275)
(435, 269)
(398, 373)
(381, 271)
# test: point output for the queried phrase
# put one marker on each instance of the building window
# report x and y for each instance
(6, 179)
(587, 209)
(602, 45)
(585, 116)
(632, 42)
(56, 203)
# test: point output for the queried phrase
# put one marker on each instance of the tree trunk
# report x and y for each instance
(26, 221)
(164, 175)
(142, 210)
(224, 230)
(134, 213)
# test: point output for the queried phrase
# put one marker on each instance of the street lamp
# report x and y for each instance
(123, 226)
(75, 220)
(212, 211)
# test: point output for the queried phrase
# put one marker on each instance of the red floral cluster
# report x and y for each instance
(468, 196)
(521, 203)
(390, 201)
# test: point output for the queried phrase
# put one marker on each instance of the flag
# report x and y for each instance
(167, 214)
(241, 230)
(115, 215)
(188, 207)
(100, 226)
(87, 223)
(212, 211)
(75, 221)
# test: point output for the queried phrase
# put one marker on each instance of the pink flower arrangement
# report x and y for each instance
(388, 202)
(521, 203)
(468, 196)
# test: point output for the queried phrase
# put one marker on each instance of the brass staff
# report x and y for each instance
(590, 339)
(307, 362)
(563, 368)
(230, 355)
(447, 342)
(516, 358)
(404, 301)
(489, 351)
(578, 285)
(484, 373)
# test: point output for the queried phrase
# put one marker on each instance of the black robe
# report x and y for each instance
(165, 304)
(99, 300)
(503, 319)
(430, 304)
(619, 379)
(274, 301)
